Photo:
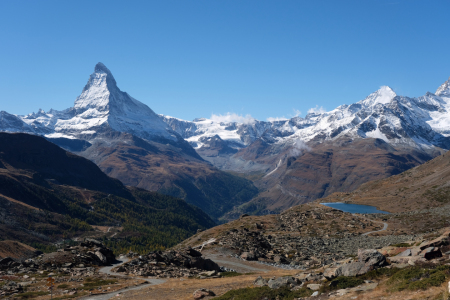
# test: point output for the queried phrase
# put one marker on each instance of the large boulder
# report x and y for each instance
(405, 253)
(260, 281)
(371, 258)
(248, 255)
(204, 264)
(431, 253)
(352, 269)
(281, 282)
(101, 257)
(193, 252)
(368, 260)
(331, 272)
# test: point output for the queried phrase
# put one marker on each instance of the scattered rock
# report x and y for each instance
(407, 252)
(443, 240)
(171, 263)
(313, 286)
(260, 281)
(248, 256)
(201, 293)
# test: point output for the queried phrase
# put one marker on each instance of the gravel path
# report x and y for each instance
(384, 225)
(107, 270)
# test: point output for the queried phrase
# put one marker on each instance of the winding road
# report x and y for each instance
(107, 270)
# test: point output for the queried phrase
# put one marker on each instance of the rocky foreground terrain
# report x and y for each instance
(302, 237)
(282, 258)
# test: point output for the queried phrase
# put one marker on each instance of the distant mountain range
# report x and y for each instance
(290, 161)
(301, 159)
(420, 122)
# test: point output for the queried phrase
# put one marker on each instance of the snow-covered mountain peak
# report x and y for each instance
(101, 107)
(384, 95)
(444, 89)
(97, 90)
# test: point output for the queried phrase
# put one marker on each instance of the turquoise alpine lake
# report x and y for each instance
(355, 208)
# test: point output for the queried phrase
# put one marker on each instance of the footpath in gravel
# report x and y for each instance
(107, 270)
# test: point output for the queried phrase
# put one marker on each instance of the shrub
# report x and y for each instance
(258, 293)
(418, 278)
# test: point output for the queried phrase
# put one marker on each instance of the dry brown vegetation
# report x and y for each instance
(15, 249)
(419, 197)
(182, 289)
(334, 166)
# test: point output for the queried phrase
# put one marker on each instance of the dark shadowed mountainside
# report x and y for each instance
(47, 193)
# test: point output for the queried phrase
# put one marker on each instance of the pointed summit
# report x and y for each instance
(96, 92)
(101, 74)
(384, 95)
(101, 68)
(444, 89)
(103, 104)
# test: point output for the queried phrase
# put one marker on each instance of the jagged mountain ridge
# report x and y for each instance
(419, 122)
(131, 143)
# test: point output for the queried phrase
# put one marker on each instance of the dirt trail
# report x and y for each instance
(107, 270)
(384, 228)
(385, 225)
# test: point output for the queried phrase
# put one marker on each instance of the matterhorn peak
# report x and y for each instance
(444, 89)
(96, 92)
(101, 76)
(102, 103)
(101, 68)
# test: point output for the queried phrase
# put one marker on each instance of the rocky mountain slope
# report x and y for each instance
(131, 143)
(333, 166)
(47, 194)
(420, 188)
(301, 159)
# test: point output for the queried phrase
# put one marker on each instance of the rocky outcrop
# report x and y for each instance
(170, 263)
(74, 260)
(368, 260)
(10, 288)
(279, 282)
(299, 251)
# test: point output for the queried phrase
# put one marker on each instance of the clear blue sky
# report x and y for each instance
(193, 58)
